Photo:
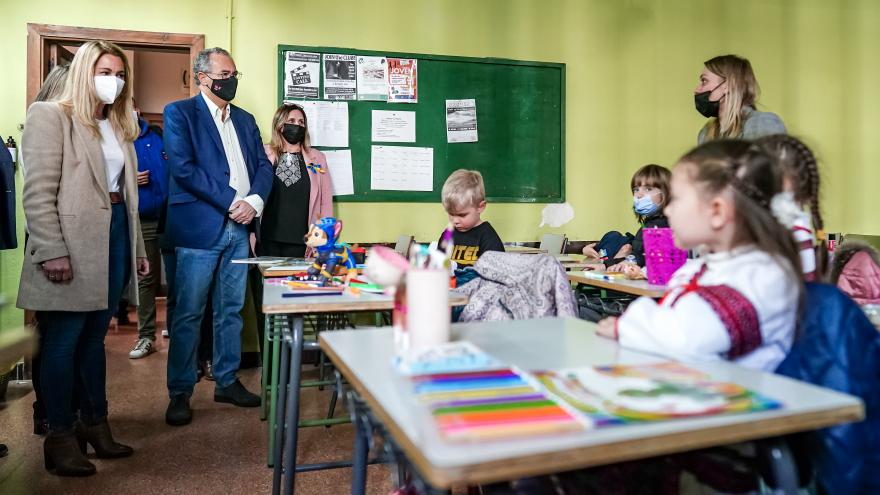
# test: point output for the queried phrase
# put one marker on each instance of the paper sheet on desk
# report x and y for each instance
(401, 168)
(339, 166)
(288, 268)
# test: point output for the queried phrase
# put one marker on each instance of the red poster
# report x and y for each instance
(402, 80)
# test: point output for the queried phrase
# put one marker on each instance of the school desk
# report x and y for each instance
(364, 357)
(523, 250)
(580, 266)
(284, 322)
(266, 272)
(634, 287)
(577, 259)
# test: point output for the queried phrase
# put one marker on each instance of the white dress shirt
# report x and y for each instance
(114, 159)
(238, 175)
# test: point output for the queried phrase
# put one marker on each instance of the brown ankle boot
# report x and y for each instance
(99, 437)
(61, 453)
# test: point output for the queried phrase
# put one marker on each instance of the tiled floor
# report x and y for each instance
(223, 451)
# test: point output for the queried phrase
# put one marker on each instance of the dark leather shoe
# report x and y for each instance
(4, 450)
(178, 412)
(62, 454)
(101, 439)
(236, 394)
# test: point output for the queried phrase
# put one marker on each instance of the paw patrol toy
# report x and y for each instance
(330, 254)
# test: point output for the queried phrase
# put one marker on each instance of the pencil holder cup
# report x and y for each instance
(662, 258)
(427, 312)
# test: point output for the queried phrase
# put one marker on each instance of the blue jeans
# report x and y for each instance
(206, 338)
(72, 353)
(197, 270)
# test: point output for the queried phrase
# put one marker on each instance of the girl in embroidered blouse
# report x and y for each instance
(740, 301)
(797, 208)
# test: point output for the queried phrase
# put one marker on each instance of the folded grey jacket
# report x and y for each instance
(516, 287)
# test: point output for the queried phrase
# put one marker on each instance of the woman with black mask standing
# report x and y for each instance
(301, 192)
(727, 95)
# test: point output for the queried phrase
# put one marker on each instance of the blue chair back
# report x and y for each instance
(838, 348)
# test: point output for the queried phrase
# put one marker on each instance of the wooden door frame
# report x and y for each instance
(40, 34)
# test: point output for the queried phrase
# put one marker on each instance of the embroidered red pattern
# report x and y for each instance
(736, 312)
(738, 316)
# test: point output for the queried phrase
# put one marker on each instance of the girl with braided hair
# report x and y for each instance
(800, 192)
(740, 301)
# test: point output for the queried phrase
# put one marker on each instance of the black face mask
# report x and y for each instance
(706, 107)
(293, 134)
(224, 88)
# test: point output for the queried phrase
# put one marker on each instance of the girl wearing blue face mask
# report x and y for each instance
(650, 188)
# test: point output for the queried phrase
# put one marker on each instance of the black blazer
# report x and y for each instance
(7, 200)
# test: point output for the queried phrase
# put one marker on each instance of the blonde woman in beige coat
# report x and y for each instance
(80, 201)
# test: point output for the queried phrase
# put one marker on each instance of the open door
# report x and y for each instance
(56, 54)
(50, 44)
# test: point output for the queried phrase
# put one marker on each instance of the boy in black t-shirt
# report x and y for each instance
(464, 199)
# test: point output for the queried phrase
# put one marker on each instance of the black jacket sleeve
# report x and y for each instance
(638, 243)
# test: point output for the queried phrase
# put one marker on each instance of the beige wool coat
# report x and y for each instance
(67, 206)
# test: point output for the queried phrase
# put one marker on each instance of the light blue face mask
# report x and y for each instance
(644, 206)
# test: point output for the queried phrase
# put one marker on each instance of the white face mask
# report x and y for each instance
(108, 88)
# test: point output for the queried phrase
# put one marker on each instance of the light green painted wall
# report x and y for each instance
(631, 66)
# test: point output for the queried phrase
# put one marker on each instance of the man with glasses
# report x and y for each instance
(219, 180)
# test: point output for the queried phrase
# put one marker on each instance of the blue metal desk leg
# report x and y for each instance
(296, 350)
(361, 451)
(280, 394)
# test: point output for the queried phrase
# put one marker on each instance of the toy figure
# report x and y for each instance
(330, 254)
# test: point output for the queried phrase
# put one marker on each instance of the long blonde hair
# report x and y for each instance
(742, 92)
(80, 98)
(277, 141)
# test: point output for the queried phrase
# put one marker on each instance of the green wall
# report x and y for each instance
(631, 67)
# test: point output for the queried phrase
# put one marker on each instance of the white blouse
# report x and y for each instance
(739, 305)
(114, 159)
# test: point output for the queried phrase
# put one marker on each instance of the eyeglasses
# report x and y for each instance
(224, 75)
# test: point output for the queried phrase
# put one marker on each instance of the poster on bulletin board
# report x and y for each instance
(340, 77)
(403, 84)
(372, 79)
(302, 73)
(461, 121)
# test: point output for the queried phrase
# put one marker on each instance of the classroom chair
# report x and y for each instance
(837, 347)
(403, 244)
(553, 243)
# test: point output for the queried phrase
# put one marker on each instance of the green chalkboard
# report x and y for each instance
(520, 121)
